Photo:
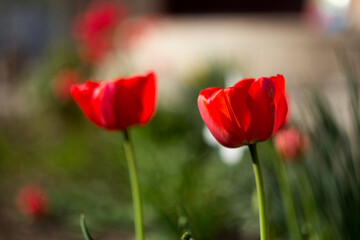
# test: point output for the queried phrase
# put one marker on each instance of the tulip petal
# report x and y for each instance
(246, 82)
(82, 94)
(279, 81)
(281, 112)
(145, 87)
(237, 96)
(280, 102)
(102, 103)
(218, 116)
(261, 104)
(127, 105)
(135, 96)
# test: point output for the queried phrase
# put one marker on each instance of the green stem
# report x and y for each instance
(264, 232)
(135, 189)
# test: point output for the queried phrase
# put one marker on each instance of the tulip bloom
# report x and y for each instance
(32, 202)
(291, 143)
(250, 111)
(118, 104)
(94, 29)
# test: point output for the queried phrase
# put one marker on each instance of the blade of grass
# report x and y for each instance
(84, 228)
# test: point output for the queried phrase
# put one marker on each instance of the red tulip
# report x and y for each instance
(250, 111)
(291, 143)
(32, 202)
(94, 28)
(118, 104)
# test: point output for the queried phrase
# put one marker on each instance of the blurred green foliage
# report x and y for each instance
(84, 170)
(186, 186)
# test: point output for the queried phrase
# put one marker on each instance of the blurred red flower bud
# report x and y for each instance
(250, 111)
(291, 143)
(32, 201)
(118, 104)
(62, 83)
(94, 29)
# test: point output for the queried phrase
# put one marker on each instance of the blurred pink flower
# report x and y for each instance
(291, 143)
(133, 30)
(62, 83)
(32, 201)
(94, 29)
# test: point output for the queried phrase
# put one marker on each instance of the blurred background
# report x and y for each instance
(55, 165)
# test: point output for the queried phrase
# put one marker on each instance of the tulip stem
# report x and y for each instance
(135, 189)
(264, 233)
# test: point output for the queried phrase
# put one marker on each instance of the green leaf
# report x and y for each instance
(84, 229)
